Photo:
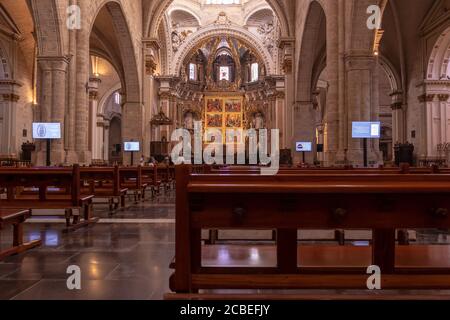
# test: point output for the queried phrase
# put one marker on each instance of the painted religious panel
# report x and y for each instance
(224, 113)
(233, 105)
(214, 106)
(233, 120)
(214, 120)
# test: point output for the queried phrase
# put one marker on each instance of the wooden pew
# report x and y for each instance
(103, 182)
(48, 188)
(151, 178)
(166, 175)
(380, 202)
(16, 218)
(131, 179)
(339, 234)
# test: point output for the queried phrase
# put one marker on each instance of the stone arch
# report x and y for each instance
(186, 10)
(311, 63)
(156, 14)
(106, 96)
(393, 76)
(165, 52)
(214, 31)
(128, 55)
(255, 10)
(362, 38)
(48, 34)
(439, 60)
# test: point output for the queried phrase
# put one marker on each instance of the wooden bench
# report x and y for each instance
(287, 203)
(48, 188)
(103, 183)
(339, 234)
(151, 178)
(131, 179)
(166, 176)
(16, 218)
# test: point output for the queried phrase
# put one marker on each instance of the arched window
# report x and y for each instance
(192, 71)
(224, 73)
(117, 98)
(254, 72)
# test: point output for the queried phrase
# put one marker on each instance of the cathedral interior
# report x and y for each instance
(120, 77)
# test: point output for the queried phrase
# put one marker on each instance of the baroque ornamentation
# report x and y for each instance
(179, 37)
(268, 34)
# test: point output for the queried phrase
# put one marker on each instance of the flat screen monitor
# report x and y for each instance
(46, 131)
(366, 130)
(303, 146)
(132, 146)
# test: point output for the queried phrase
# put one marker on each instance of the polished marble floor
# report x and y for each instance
(126, 256)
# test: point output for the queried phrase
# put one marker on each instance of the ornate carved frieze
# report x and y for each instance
(268, 33)
(151, 50)
(287, 45)
(426, 97)
(11, 97)
(179, 36)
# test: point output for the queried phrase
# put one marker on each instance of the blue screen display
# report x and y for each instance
(368, 130)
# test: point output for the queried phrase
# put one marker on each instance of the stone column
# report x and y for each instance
(95, 139)
(71, 108)
(82, 104)
(53, 104)
(288, 47)
(132, 128)
(335, 114)
(151, 52)
(398, 118)
(305, 129)
(8, 117)
(105, 147)
(362, 97)
(434, 118)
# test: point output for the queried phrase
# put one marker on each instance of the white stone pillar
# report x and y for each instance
(95, 140)
(288, 47)
(8, 117)
(105, 147)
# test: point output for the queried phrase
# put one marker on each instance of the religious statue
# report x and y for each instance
(189, 121)
(258, 121)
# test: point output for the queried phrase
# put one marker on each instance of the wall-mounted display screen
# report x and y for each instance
(46, 131)
(366, 130)
(132, 146)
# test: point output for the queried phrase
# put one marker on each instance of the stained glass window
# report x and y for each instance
(254, 72)
(192, 71)
(224, 73)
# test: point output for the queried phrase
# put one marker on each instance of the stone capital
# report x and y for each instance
(443, 97)
(426, 97)
(11, 97)
(56, 63)
(360, 60)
